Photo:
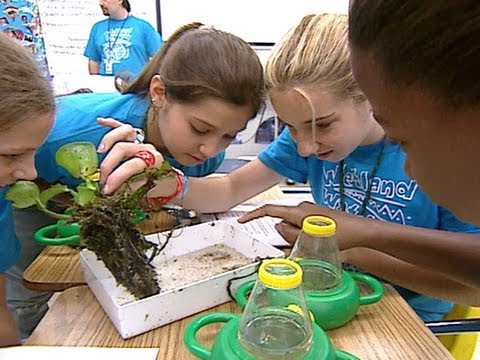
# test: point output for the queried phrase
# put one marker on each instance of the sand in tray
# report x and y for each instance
(199, 265)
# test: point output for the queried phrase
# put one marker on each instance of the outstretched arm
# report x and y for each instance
(221, 193)
(453, 255)
(207, 195)
(410, 276)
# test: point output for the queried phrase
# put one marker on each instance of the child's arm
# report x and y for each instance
(221, 193)
(8, 328)
(409, 276)
(452, 255)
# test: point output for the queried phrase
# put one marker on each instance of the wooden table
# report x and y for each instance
(58, 267)
(388, 329)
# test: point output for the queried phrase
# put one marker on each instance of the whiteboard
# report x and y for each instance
(256, 21)
(66, 27)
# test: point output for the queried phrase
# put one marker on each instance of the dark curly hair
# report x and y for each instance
(430, 44)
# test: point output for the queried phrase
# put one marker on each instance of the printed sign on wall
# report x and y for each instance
(20, 20)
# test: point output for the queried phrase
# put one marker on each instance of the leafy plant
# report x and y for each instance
(106, 223)
(80, 160)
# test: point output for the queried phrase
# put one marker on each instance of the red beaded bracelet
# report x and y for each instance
(162, 200)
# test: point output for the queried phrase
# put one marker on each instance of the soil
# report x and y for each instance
(107, 229)
(199, 265)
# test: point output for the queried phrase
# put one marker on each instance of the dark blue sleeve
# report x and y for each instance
(449, 222)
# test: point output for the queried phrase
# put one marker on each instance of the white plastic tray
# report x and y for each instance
(132, 317)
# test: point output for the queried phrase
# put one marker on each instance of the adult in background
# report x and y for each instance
(122, 42)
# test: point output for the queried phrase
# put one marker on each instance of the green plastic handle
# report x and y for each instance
(343, 355)
(241, 295)
(41, 236)
(190, 337)
(374, 284)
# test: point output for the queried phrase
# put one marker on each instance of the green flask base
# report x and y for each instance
(227, 346)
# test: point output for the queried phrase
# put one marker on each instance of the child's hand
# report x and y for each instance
(291, 216)
(140, 156)
(350, 228)
(121, 143)
(120, 132)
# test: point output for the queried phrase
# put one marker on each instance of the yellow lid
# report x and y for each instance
(280, 273)
(319, 225)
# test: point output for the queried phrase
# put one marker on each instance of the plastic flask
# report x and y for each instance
(275, 323)
(316, 249)
(332, 295)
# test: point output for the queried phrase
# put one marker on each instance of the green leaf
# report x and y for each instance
(91, 184)
(86, 193)
(53, 191)
(23, 194)
(78, 158)
(164, 167)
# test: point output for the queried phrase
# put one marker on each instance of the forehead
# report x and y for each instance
(400, 108)
(27, 133)
(369, 76)
(293, 103)
(218, 113)
(388, 101)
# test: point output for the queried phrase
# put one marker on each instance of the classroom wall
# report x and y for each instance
(67, 23)
(260, 21)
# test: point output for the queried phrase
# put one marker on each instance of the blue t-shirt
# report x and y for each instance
(394, 196)
(126, 45)
(76, 120)
(9, 245)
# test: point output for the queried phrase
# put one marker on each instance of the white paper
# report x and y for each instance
(263, 228)
(76, 353)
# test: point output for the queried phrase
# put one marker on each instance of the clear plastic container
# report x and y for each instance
(276, 323)
(316, 250)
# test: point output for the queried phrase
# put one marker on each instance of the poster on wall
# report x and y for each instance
(20, 19)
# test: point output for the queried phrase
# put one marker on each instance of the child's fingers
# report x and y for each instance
(125, 132)
(121, 174)
(110, 122)
(288, 231)
(111, 178)
(283, 212)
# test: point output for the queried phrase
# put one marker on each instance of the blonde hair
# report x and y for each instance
(314, 53)
(24, 92)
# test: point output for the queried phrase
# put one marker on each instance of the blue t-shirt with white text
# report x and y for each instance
(126, 44)
(394, 196)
